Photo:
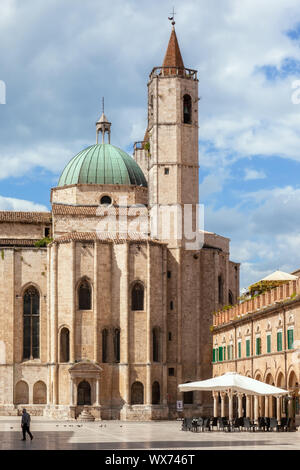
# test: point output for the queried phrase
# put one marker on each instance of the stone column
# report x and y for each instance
(223, 395)
(148, 400)
(266, 406)
(230, 403)
(178, 256)
(97, 403)
(165, 331)
(271, 408)
(261, 406)
(199, 395)
(278, 409)
(71, 392)
(216, 400)
(95, 304)
(248, 406)
(73, 301)
(124, 324)
(291, 411)
(54, 329)
(48, 321)
(256, 408)
(240, 404)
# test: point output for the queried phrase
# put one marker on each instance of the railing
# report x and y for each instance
(271, 297)
(173, 71)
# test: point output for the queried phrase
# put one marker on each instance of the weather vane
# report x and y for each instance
(172, 17)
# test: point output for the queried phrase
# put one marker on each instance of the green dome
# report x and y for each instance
(102, 164)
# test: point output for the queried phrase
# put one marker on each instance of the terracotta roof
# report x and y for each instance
(25, 217)
(104, 237)
(92, 211)
(173, 55)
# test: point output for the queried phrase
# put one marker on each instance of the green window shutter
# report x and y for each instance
(258, 344)
(224, 353)
(239, 349)
(247, 347)
(220, 353)
(214, 355)
(228, 353)
(268, 343)
(290, 339)
(279, 341)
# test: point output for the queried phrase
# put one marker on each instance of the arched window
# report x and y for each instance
(39, 393)
(137, 297)
(104, 345)
(187, 109)
(21, 393)
(85, 295)
(84, 393)
(117, 344)
(155, 393)
(230, 298)
(31, 324)
(64, 345)
(155, 344)
(137, 393)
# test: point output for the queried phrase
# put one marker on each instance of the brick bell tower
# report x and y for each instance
(173, 167)
(172, 134)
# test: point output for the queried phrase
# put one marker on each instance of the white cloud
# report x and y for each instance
(19, 162)
(265, 236)
(61, 60)
(251, 174)
(13, 204)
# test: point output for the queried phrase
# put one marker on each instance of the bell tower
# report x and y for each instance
(173, 131)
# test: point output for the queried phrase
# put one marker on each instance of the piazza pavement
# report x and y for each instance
(124, 435)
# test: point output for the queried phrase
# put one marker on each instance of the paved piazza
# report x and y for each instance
(117, 435)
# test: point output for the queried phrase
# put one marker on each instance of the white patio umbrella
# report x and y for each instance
(231, 383)
(234, 382)
(280, 276)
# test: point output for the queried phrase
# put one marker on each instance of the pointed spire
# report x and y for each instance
(173, 55)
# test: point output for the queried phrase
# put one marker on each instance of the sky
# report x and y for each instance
(59, 57)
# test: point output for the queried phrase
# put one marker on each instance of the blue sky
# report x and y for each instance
(59, 57)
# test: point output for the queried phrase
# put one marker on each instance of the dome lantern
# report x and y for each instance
(103, 126)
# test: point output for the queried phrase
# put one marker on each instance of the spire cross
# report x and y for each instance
(172, 17)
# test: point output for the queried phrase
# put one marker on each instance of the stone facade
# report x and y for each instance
(260, 338)
(120, 359)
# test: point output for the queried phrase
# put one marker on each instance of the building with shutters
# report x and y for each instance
(109, 318)
(260, 338)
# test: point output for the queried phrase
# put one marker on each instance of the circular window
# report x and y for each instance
(105, 200)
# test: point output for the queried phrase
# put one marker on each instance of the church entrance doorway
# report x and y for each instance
(84, 393)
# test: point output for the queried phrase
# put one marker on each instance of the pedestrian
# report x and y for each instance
(25, 425)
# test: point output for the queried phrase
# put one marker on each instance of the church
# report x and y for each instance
(99, 319)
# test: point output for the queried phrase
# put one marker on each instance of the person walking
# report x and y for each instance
(25, 425)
